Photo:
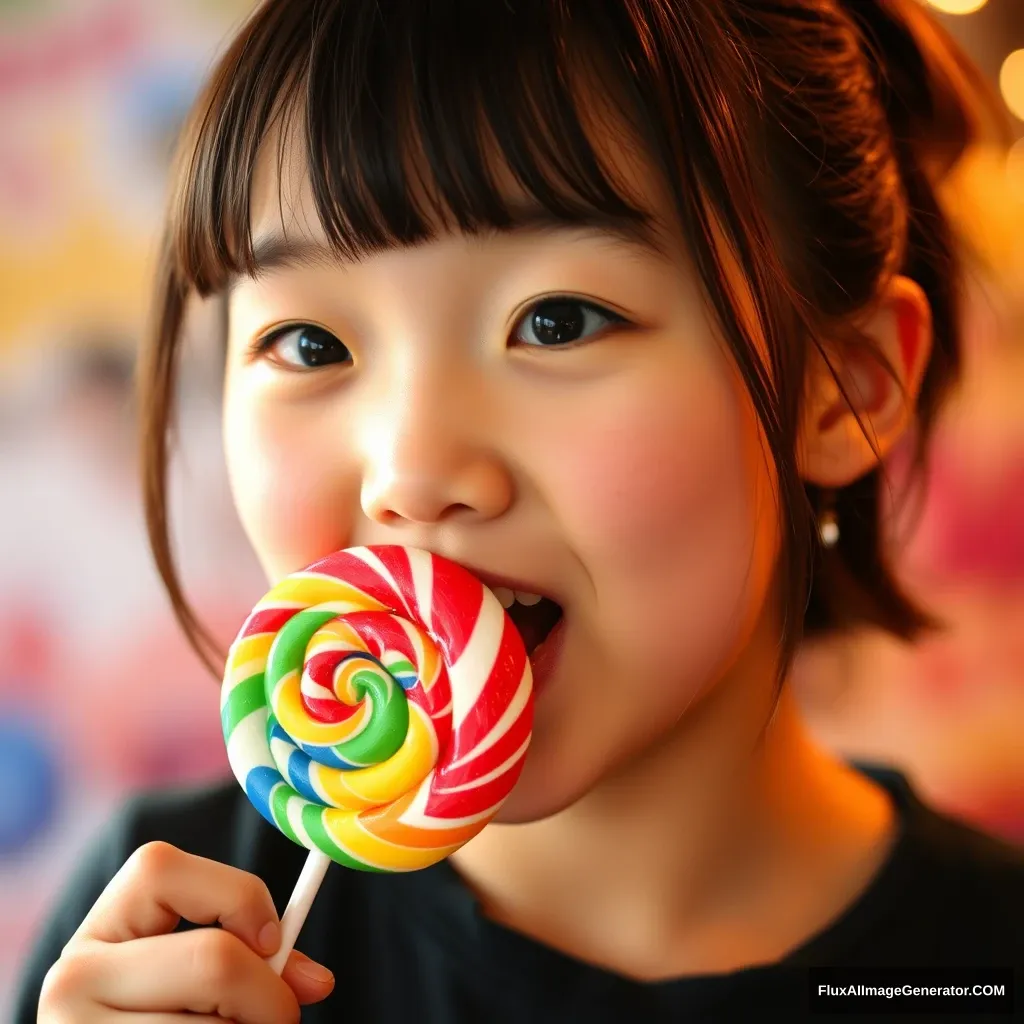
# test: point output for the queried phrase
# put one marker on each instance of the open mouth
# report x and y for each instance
(535, 617)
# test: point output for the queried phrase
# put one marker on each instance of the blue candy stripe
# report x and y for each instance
(322, 755)
(259, 787)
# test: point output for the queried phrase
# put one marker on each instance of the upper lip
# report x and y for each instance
(492, 580)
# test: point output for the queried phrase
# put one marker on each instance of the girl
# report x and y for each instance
(620, 303)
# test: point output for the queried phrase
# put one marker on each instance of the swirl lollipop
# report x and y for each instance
(377, 709)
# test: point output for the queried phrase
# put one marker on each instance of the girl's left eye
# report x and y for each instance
(561, 321)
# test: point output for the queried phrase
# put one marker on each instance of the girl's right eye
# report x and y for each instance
(304, 347)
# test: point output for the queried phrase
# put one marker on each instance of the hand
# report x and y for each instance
(126, 964)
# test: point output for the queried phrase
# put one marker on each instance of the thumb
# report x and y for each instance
(309, 980)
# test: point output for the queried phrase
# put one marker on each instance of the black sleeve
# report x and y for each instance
(215, 822)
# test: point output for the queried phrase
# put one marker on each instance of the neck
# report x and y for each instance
(676, 862)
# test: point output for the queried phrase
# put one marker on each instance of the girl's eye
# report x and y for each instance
(561, 321)
(305, 347)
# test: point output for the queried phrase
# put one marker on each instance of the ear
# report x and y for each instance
(834, 449)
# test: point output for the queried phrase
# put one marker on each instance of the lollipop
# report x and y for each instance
(377, 709)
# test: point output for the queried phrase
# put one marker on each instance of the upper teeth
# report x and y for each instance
(507, 597)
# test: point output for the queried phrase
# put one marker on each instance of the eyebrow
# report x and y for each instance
(277, 252)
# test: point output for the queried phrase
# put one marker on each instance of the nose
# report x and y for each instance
(429, 462)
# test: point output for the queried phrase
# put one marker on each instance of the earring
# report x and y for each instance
(828, 523)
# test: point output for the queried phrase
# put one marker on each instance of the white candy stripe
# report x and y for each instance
(470, 674)
(244, 671)
(341, 607)
(415, 639)
(317, 577)
(428, 728)
(315, 690)
(415, 818)
(314, 781)
(502, 726)
(495, 773)
(417, 808)
(422, 566)
(374, 562)
(415, 815)
(293, 808)
(247, 748)
(280, 749)
(267, 604)
(333, 647)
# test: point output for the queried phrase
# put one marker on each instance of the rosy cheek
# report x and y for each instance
(287, 492)
(670, 511)
(646, 476)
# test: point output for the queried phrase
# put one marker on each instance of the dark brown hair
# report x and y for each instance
(811, 131)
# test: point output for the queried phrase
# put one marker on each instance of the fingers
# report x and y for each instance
(307, 979)
(163, 1018)
(126, 963)
(206, 971)
(119, 1017)
(160, 884)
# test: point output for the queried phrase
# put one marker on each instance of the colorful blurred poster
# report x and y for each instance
(99, 694)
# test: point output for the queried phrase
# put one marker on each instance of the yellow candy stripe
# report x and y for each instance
(381, 783)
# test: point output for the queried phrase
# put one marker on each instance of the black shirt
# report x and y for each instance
(415, 948)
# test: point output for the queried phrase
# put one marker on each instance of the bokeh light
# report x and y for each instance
(1011, 82)
(958, 6)
(1015, 168)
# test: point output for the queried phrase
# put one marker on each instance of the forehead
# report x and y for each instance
(283, 204)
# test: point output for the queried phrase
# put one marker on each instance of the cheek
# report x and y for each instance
(678, 524)
(290, 498)
(668, 504)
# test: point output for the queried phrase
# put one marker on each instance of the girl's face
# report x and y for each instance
(609, 459)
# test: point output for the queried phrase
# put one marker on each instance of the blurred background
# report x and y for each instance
(99, 695)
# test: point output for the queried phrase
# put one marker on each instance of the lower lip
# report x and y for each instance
(546, 657)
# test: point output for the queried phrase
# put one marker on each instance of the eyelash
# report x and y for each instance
(265, 343)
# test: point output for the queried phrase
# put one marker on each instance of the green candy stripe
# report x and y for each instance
(402, 666)
(389, 721)
(279, 808)
(384, 734)
(288, 650)
(248, 696)
(313, 822)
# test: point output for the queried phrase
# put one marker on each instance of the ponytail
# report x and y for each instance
(937, 101)
(938, 105)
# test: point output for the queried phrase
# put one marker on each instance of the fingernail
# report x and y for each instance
(312, 970)
(269, 937)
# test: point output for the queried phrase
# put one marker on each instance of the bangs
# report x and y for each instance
(404, 112)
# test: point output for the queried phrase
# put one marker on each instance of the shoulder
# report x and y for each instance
(195, 819)
(978, 869)
(967, 884)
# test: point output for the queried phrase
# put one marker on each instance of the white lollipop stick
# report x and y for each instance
(294, 916)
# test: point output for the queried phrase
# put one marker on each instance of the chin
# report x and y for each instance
(542, 791)
(526, 805)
